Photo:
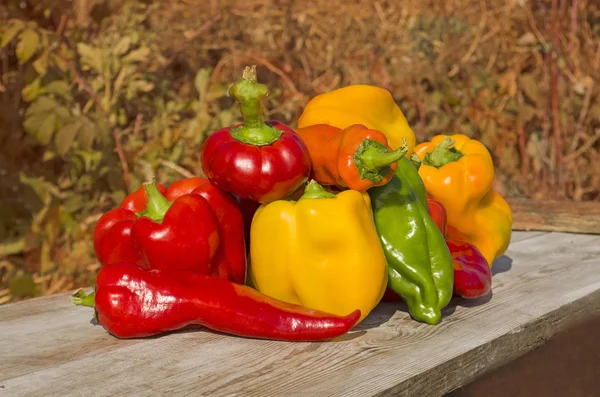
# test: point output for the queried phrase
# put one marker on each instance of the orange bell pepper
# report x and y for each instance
(371, 106)
(355, 158)
(459, 172)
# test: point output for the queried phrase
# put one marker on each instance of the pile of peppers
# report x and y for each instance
(298, 234)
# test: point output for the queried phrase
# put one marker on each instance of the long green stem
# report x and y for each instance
(373, 159)
(250, 94)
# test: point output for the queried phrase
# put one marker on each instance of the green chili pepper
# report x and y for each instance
(420, 265)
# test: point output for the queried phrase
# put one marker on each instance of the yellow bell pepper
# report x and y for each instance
(371, 106)
(459, 172)
(321, 252)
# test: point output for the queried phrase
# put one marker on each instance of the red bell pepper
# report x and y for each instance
(131, 302)
(255, 160)
(230, 259)
(189, 233)
(472, 275)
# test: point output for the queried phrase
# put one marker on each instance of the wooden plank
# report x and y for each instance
(556, 216)
(524, 235)
(548, 280)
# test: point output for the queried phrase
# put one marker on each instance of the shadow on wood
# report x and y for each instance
(501, 265)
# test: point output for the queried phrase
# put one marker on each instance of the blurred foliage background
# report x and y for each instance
(99, 95)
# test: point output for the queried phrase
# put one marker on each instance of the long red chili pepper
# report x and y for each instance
(257, 160)
(131, 302)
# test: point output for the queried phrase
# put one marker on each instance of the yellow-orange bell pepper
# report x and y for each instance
(371, 106)
(459, 172)
(321, 252)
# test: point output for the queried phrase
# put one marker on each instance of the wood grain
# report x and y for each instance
(556, 216)
(545, 281)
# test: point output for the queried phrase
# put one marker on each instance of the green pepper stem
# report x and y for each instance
(80, 298)
(416, 161)
(443, 154)
(157, 205)
(249, 93)
(315, 191)
(374, 160)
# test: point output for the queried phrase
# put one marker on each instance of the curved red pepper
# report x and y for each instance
(184, 234)
(255, 160)
(131, 302)
(472, 274)
(230, 260)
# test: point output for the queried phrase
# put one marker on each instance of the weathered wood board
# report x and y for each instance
(48, 347)
(556, 216)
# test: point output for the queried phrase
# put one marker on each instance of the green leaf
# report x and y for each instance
(28, 44)
(33, 122)
(90, 57)
(41, 105)
(66, 136)
(87, 134)
(32, 90)
(201, 80)
(62, 113)
(529, 86)
(14, 26)
(58, 87)
(138, 55)
(122, 46)
(41, 64)
(44, 132)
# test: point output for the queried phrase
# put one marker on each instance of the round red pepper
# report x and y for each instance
(255, 160)
(230, 260)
